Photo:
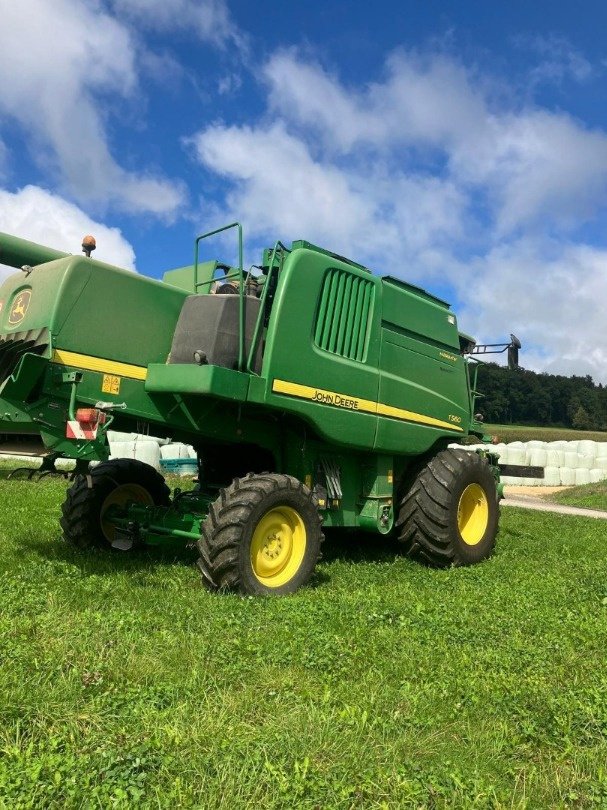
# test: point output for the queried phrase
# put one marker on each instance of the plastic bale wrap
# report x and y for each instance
(117, 436)
(567, 476)
(174, 450)
(587, 448)
(582, 476)
(570, 459)
(555, 457)
(552, 477)
(148, 452)
(584, 462)
(597, 475)
(517, 455)
(538, 457)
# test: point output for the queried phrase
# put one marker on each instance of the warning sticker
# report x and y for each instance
(111, 384)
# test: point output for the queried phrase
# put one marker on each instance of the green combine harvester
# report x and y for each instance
(315, 393)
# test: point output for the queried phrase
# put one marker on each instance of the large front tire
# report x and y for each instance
(449, 513)
(262, 536)
(110, 483)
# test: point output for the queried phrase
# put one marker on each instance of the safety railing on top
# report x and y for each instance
(241, 286)
(262, 308)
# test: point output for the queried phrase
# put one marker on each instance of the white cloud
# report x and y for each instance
(550, 293)
(39, 216)
(530, 163)
(280, 190)
(58, 62)
(208, 19)
(439, 176)
(559, 60)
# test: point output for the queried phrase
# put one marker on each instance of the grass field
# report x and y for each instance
(520, 433)
(590, 496)
(383, 685)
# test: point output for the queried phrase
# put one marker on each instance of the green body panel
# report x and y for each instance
(16, 252)
(360, 373)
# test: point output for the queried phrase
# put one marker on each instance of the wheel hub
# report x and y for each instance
(473, 514)
(278, 546)
(121, 496)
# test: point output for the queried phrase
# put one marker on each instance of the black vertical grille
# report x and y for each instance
(15, 344)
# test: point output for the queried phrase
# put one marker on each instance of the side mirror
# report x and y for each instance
(513, 348)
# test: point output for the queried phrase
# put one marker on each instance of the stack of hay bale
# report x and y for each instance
(162, 454)
(565, 463)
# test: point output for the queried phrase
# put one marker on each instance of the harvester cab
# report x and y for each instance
(315, 392)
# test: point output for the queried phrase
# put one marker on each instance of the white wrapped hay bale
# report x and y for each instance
(601, 464)
(535, 444)
(584, 462)
(175, 450)
(560, 445)
(582, 476)
(552, 477)
(570, 459)
(117, 436)
(538, 457)
(601, 449)
(555, 457)
(145, 437)
(145, 451)
(148, 452)
(191, 452)
(587, 448)
(504, 453)
(517, 455)
(121, 449)
(597, 475)
(567, 476)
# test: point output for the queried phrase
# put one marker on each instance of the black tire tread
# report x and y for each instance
(423, 523)
(80, 512)
(223, 528)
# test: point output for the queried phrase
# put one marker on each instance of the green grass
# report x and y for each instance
(520, 433)
(124, 683)
(590, 496)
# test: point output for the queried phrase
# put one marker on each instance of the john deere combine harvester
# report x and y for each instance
(314, 392)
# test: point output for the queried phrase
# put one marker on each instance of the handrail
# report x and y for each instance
(261, 316)
(241, 291)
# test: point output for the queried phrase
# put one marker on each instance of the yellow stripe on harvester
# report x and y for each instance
(351, 403)
(99, 364)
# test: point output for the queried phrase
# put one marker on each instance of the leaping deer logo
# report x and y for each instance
(19, 308)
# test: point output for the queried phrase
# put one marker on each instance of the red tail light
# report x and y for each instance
(90, 416)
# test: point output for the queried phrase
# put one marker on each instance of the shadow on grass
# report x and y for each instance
(352, 545)
(340, 545)
(107, 561)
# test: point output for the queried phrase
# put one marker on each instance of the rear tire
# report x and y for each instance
(262, 536)
(110, 482)
(449, 513)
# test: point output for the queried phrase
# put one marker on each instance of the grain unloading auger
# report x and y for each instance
(315, 393)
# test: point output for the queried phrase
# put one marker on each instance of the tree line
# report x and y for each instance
(527, 398)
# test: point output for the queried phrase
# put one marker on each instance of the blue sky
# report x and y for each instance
(461, 146)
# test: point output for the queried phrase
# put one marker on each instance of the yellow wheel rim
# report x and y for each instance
(278, 546)
(473, 514)
(120, 496)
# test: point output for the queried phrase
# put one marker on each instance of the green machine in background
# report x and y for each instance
(315, 393)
